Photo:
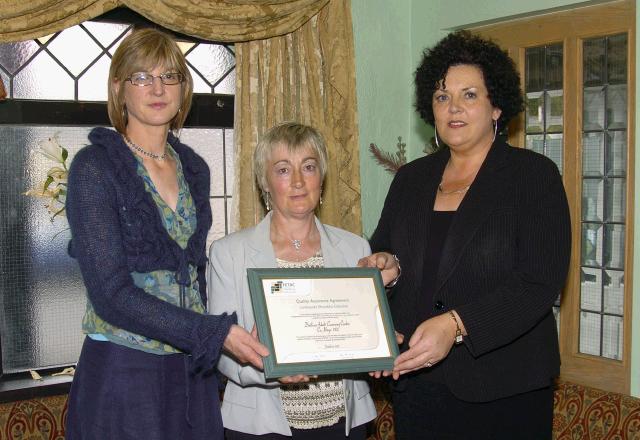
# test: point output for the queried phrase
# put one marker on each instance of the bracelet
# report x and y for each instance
(458, 339)
(395, 280)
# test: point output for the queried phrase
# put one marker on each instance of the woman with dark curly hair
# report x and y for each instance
(482, 230)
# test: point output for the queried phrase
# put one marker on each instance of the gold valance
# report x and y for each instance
(217, 20)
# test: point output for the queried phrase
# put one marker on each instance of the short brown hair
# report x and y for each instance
(143, 50)
(294, 136)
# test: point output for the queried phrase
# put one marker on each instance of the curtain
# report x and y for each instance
(218, 20)
(294, 61)
(307, 76)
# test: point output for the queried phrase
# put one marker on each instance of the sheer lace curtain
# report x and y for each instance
(294, 62)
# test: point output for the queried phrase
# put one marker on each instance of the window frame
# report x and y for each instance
(571, 28)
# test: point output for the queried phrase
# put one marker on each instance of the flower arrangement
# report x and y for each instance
(54, 187)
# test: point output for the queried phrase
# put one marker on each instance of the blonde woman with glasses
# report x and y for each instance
(139, 212)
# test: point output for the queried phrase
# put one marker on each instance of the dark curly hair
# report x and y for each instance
(462, 47)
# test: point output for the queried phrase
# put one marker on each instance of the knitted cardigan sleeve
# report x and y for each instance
(97, 244)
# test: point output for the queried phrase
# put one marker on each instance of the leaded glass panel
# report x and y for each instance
(617, 106)
(615, 199)
(594, 62)
(614, 292)
(209, 143)
(65, 48)
(15, 55)
(593, 108)
(42, 78)
(535, 142)
(593, 155)
(92, 85)
(591, 244)
(43, 295)
(590, 282)
(534, 112)
(105, 33)
(612, 337)
(75, 61)
(617, 59)
(616, 162)
(590, 333)
(604, 195)
(592, 200)
(544, 101)
(544, 109)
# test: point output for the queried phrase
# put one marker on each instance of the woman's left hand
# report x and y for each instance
(388, 265)
(429, 344)
(385, 373)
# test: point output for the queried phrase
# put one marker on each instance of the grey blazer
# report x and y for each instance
(251, 404)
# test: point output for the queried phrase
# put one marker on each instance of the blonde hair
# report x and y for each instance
(143, 50)
(294, 136)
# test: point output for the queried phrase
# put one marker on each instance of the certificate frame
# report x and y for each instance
(376, 296)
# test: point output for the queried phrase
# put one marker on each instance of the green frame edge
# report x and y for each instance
(272, 369)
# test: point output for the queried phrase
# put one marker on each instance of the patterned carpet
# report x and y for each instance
(35, 419)
(581, 413)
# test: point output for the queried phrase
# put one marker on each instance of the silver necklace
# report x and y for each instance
(141, 150)
(297, 244)
(455, 191)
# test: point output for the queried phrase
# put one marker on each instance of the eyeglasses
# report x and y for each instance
(142, 79)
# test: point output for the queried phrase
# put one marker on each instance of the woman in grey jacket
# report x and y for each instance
(289, 163)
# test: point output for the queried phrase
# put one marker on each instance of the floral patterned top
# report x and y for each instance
(180, 224)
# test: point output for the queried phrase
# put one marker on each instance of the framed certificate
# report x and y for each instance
(322, 321)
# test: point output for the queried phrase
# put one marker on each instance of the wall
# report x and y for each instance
(391, 37)
(382, 34)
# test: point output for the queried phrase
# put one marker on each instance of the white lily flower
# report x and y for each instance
(51, 149)
(54, 188)
(58, 174)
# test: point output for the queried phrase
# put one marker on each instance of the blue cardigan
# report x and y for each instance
(116, 229)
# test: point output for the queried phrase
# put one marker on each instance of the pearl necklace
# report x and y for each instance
(144, 152)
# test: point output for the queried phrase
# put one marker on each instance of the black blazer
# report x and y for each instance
(503, 264)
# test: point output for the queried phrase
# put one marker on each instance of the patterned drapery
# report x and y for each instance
(306, 76)
(294, 61)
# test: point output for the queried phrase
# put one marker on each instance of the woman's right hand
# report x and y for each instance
(385, 262)
(245, 346)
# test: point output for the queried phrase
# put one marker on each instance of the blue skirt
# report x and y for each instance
(121, 393)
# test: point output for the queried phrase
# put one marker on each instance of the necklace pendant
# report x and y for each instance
(297, 244)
